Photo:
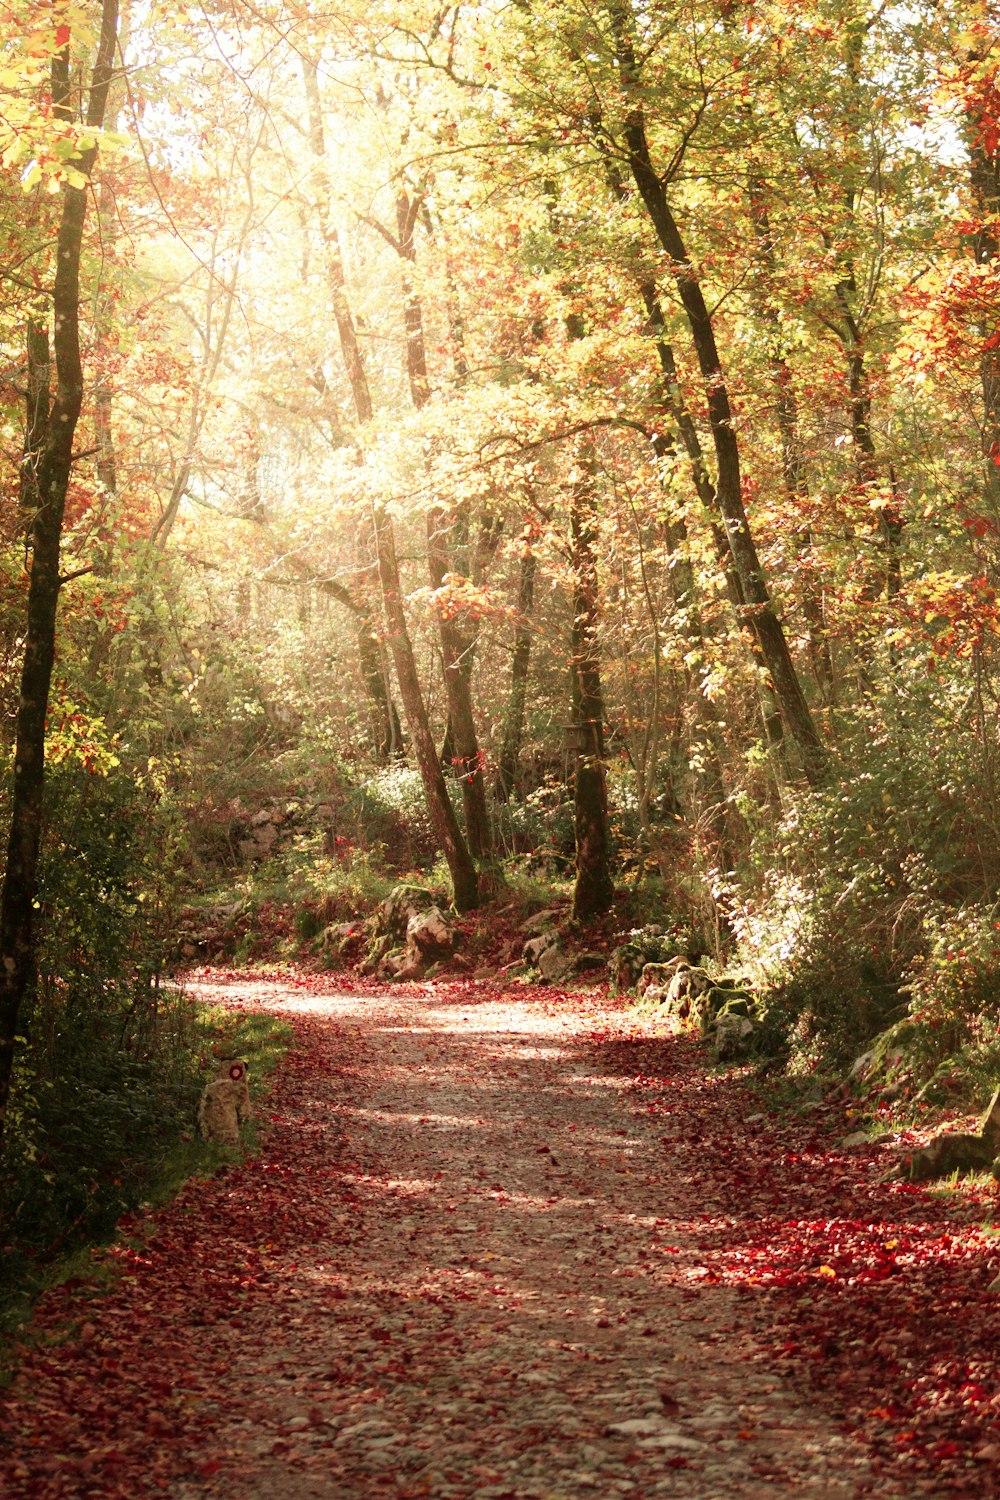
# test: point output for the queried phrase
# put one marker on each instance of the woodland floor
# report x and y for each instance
(513, 1243)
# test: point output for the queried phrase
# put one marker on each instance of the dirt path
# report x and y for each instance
(468, 1264)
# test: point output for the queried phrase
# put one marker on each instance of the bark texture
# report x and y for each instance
(440, 811)
(593, 891)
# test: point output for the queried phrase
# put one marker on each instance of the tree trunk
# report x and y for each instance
(594, 890)
(457, 644)
(793, 467)
(20, 880)
(513, 729)
(383, 719)
(36, 416)
(758, 611)
(384, 733)
(984, 178)
(676, 409)
(444, 824)
(442, 816)
(457, 650)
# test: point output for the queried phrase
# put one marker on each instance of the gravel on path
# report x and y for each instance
(463, 1268)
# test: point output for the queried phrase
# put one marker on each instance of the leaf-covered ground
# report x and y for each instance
(511, 1244)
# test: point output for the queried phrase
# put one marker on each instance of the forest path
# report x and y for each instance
(504, 1306)
(469, 1263)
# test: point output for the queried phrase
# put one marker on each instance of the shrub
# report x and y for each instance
(389, 813)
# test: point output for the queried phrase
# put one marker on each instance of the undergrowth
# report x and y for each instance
(80, 1157)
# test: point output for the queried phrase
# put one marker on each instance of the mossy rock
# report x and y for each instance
(644, 945)
(731, 1002)
(952, 1152)
(403, 902)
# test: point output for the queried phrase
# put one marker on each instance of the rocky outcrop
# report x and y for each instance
(542, 921)
(415, 935)
(680, 989)
(959, 1151)
(430, 936)
(722, 1009)
(545, 954)
(647, 945)
(402, 903)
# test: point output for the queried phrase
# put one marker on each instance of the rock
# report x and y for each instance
(989, 1125)
(731, 1019)
(402, 903)
(734, 1035)
(411, 969)
(333, 938)
(588, 963)
(641, 1427)
(856, 1138)
(553, 964)
(684, 996)
(951, 1152)
(377, 953)
(892, 1059)
(657, 977)
(391, 962)
(862, 1066)
(651, 944)
(532, 950)
(539, 921)
(671, 1440)
(429, 936)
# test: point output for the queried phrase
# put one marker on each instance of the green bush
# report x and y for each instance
(853, 909)
(389, 813)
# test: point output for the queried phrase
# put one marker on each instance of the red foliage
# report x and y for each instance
(874, 1292)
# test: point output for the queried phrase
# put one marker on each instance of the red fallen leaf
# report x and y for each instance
(209, 1467)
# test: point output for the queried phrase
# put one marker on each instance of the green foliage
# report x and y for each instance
(856, 909)
(388, 810)
(335, 886)
(104, 1111)
(539, 825)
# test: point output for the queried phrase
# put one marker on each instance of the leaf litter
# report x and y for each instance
(507, 1243)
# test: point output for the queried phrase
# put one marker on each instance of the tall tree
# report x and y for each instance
(383, 719)
(53, 469)
(458, 643)
(981, 101)
(444, 823)
(759, 611)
